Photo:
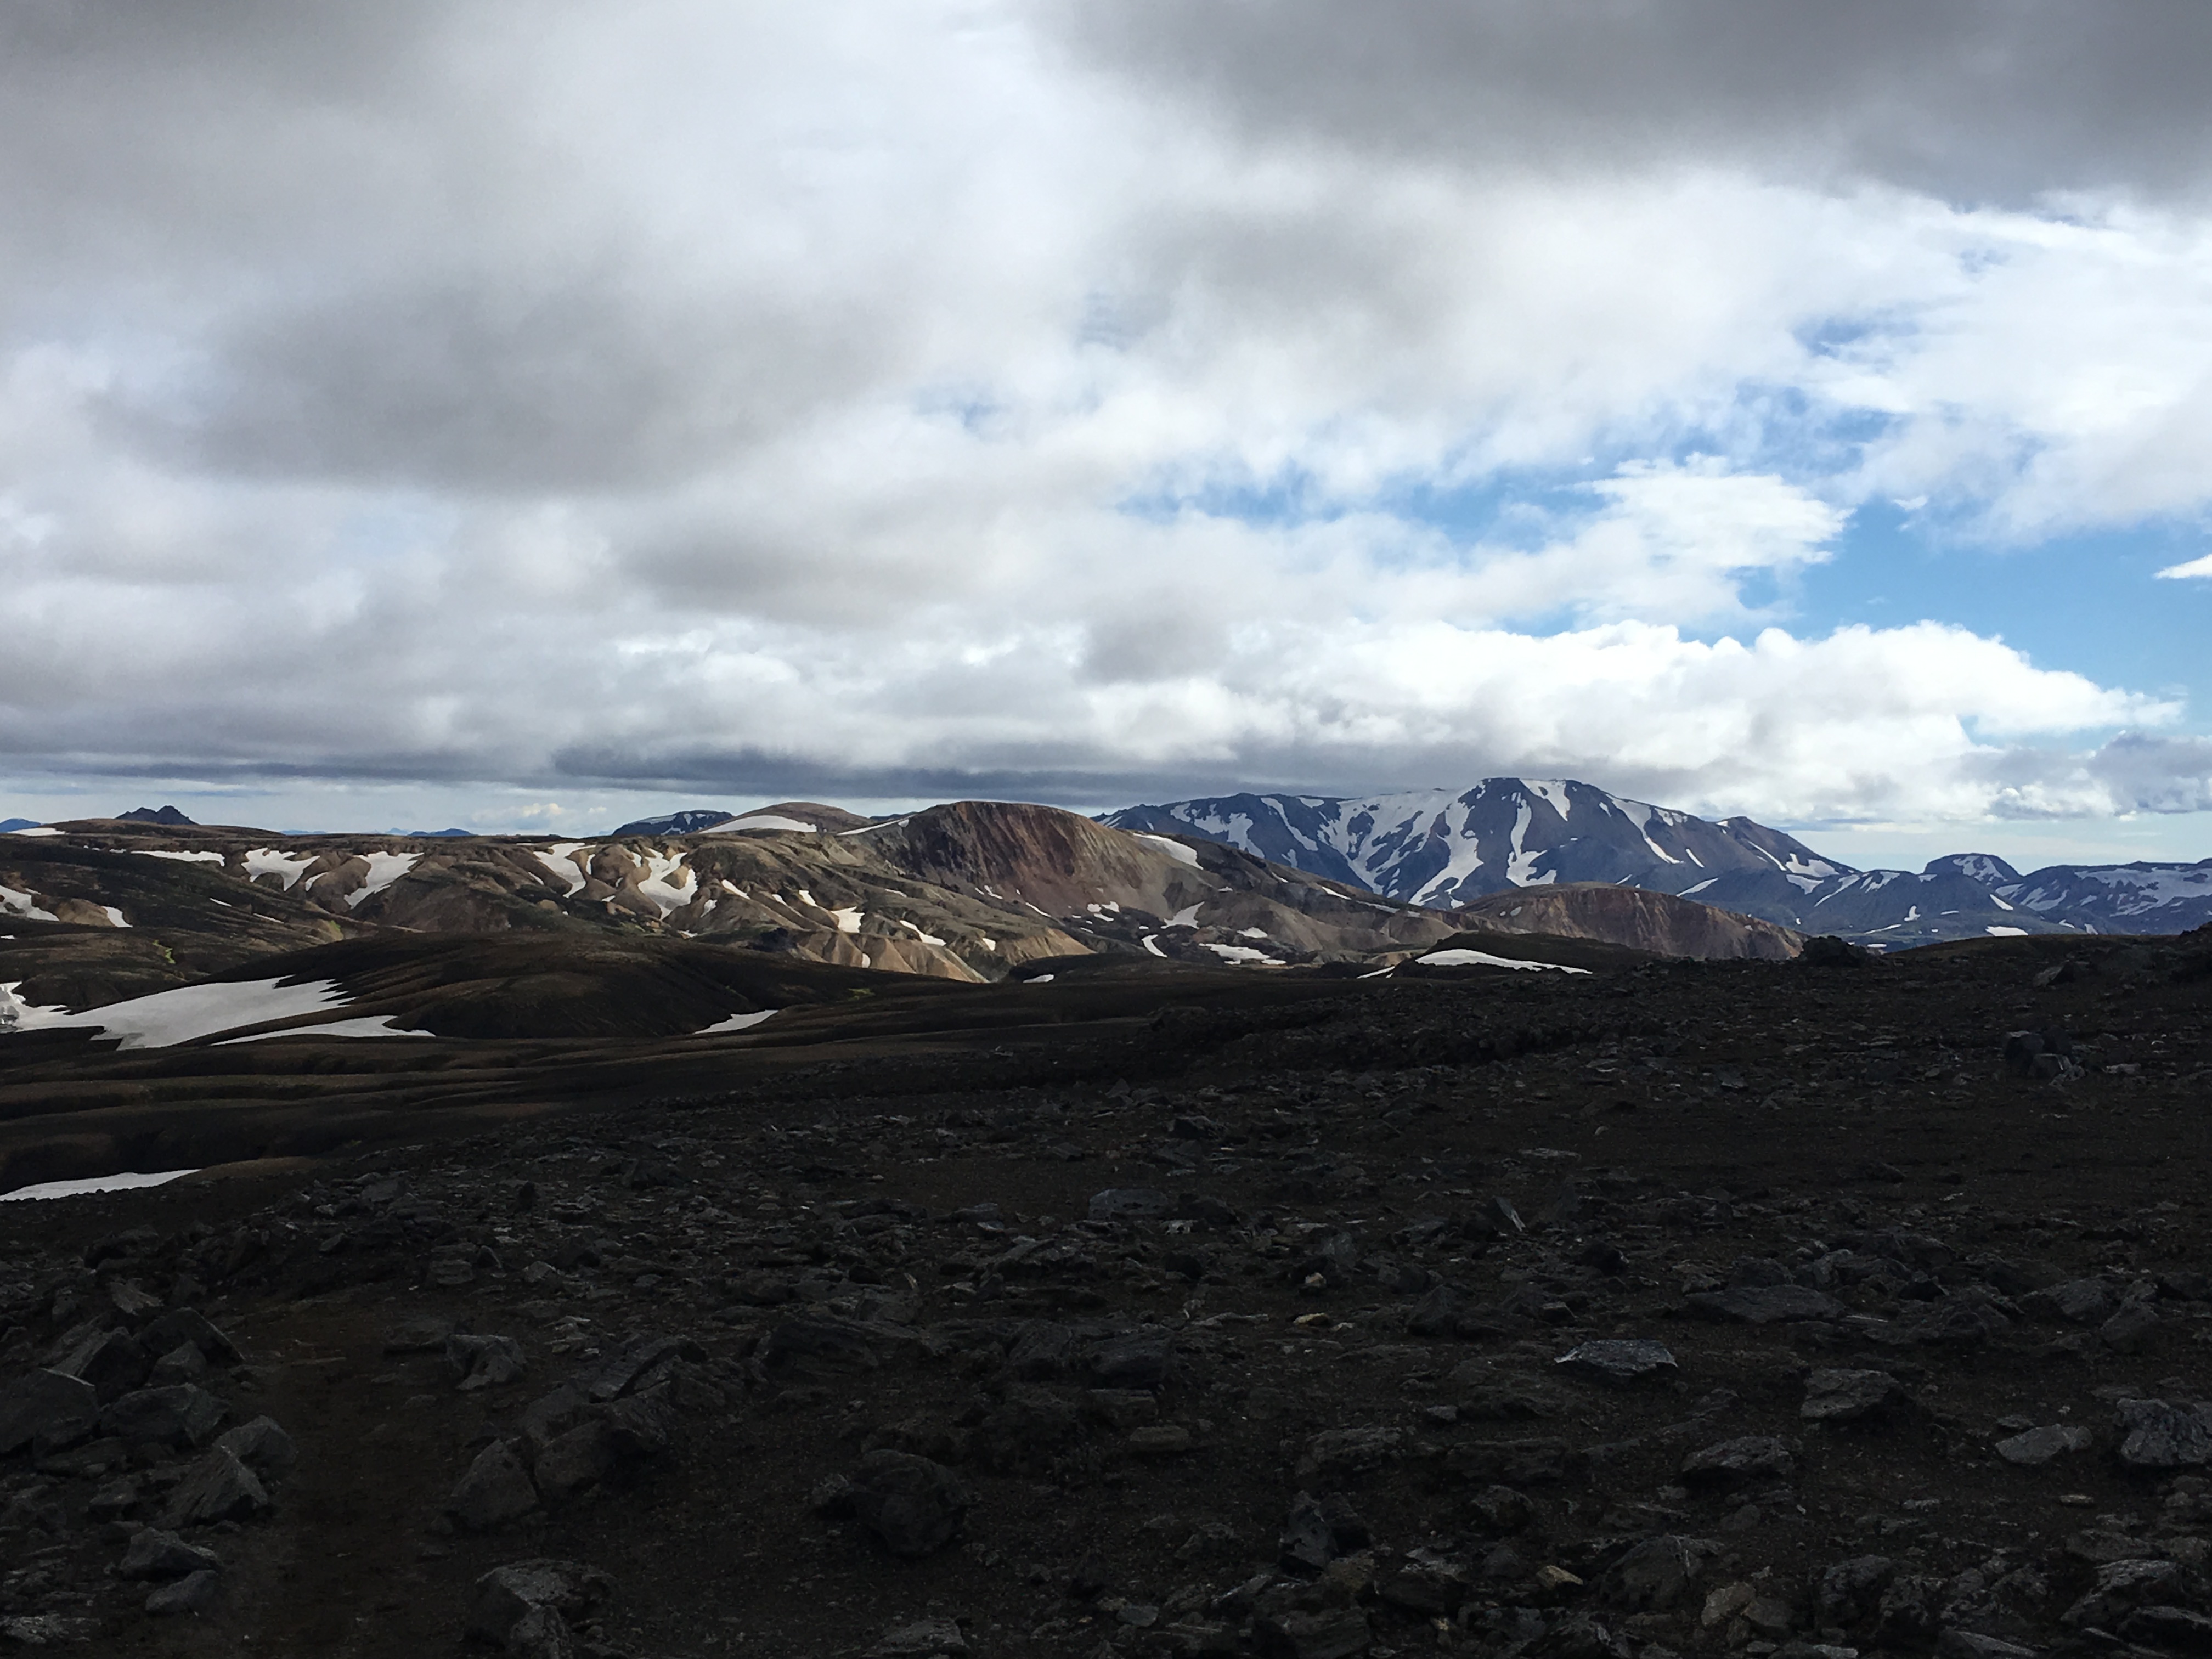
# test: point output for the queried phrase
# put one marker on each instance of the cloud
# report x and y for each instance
(2194, 567)
(844, 400)
(1972, 99)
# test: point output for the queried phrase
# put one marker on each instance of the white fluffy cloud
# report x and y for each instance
(937, 398)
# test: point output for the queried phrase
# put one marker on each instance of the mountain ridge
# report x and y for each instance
(1437, 848)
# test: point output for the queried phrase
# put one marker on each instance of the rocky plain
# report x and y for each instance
(1818, 1308)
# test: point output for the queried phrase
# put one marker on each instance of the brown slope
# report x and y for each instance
(1657, 922)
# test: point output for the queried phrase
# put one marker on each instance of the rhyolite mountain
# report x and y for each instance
(105, 911)
(1439, 849)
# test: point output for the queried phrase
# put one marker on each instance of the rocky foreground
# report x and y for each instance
(1810, 1309)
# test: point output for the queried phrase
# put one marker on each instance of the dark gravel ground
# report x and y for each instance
(1228, 1329)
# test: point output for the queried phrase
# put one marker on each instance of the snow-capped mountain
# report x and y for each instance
(1437, 848)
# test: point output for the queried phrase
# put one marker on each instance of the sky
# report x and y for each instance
(529, 417)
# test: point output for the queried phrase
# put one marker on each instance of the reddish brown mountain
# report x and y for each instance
(1658, 923)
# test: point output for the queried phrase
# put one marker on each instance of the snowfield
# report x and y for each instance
(183, 1015)
(1484, 959)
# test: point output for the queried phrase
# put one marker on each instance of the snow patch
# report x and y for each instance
(561, 859)
(286, 867)
(1237, 953)
(767, 821)
(37, 829)
(2006, 933)
(1186, 917)
(926, 938)
(368, 1025)
(1484, 959)
(736, 1022)
(189, 1012)
(181, 858)
(21, 905)
(384, 869)
(666, 895)
(1174, 849)
(130, 1181)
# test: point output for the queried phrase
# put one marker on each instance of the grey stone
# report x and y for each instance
(2123, 1586)
(45, 1411)
(40, 1630)
(177, 1416)
(1429, 1582)
(423, 1334)
(582, 1457)
(1841, 1396)
(1770, 1304)
(183, 1363)
(1850, 1592)
(925, 1638)
(2036, 1447)
(196, 1592)
(1610, 1360)
(155, 1553)
(483, 1362)
(1972, 1645)
(2126, 1331)
(912, 1505)
(1334, 1633)
(2158, 1435)
(182, 1325)
(112, 1361)
(1656, 1575)
(1131, 1204)
(495, 1489)
(1340, 1454)
(262, 1445)
(216, 1488)
(505, 1598)
(2077, 1301)
(1729, 1462)
(1135, 1359)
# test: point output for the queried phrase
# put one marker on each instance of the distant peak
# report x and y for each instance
(168, 815)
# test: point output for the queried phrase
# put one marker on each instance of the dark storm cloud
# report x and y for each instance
(1973, 100)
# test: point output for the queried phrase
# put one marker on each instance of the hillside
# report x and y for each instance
(1438, 847)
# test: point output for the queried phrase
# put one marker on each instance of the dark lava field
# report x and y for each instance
(1814, 1309)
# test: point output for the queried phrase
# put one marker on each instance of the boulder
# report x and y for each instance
(1620, 1362)
(1764, 1304)
(2036, 1447)
(912, 1506)
(1846, 1396)
(196, 1592)
(182, 1325)
(2158, 1435)
(502, 1603)
(1732, 1462)
(495, 1489)
(114, 1362)
(483, 1362)
(1657, 1575)
(45, 1411)
(216, 1488)
(261, 1445)
(177, 1416)
(925, 1638)
(155, 1553)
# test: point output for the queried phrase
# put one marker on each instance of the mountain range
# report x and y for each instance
(1442, 849)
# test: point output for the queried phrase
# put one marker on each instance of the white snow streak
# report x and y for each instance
(128, 1181)
(736, 1022)
(1484, 959)
(286, 867)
